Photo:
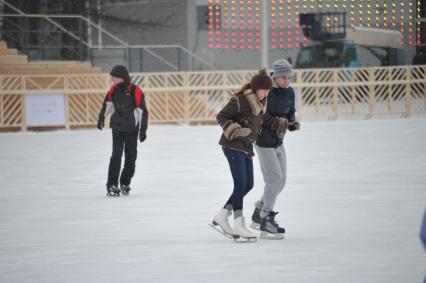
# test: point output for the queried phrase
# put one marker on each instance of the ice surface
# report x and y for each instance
(352, 208)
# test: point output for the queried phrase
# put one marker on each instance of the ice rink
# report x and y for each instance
(352, 208)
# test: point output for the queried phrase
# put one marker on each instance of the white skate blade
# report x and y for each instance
(240, 239)
(255, 226)
(271, 236)
(229, 236)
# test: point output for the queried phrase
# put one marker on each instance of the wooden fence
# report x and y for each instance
(195, 97)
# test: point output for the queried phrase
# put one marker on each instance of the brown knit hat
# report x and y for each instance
(261, 81)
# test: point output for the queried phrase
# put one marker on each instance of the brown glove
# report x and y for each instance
(280, 126)
(241, 132)
(234, 131)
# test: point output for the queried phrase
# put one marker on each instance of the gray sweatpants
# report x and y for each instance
(273, 163)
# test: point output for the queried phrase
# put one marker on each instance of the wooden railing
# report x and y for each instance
(195, 97)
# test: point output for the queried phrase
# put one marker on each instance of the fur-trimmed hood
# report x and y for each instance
(255, 104)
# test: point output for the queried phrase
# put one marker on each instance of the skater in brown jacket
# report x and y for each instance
(241, 120)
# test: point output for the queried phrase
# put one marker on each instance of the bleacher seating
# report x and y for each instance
(12, 63)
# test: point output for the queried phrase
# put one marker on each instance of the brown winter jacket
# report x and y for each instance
(245, 110)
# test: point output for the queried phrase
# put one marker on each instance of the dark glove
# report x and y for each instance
(101, 122)
(243, 123)
(142, 136)
(294, 126)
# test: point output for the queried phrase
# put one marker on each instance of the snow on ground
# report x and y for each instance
(352, 208)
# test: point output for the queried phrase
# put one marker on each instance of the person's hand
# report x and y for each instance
(294, 126)
(240, 133)
(235, 130)
(281, 127)
(101, 122)
(142, 136)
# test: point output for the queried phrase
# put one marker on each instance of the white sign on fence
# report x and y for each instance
(45, 109)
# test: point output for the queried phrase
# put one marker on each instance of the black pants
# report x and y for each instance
(127, 141)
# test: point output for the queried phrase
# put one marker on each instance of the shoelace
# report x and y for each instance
(272, 215)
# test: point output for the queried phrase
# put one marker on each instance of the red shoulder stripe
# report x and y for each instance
(138, 96)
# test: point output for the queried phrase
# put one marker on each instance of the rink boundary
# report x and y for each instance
(195, 97)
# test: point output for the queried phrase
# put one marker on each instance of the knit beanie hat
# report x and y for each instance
(261, 81)
(282, 68)
(120, 71)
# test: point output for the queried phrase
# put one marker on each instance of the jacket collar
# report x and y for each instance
(255, 105)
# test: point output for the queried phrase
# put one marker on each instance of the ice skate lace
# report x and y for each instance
(272, 218)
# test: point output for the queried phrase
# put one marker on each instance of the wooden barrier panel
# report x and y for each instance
(11, 111)
(195, 97)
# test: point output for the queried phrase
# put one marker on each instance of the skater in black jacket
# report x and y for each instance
(129, 120)
(280, 116)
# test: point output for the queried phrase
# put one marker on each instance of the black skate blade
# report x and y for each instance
(221, 231)
(271, 236)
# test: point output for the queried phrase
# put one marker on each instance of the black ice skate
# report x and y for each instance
(113, 191)
(256, 219)
(125, 189)
(270, 229)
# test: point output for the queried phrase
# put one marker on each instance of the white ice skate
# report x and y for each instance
(221, 224)
(241, 233)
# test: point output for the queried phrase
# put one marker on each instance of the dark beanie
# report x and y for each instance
(120, 71)
(261, 81)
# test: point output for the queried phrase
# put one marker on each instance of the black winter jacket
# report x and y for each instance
(125, 116)
(281, 103)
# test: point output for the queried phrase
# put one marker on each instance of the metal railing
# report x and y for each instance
(73, 28)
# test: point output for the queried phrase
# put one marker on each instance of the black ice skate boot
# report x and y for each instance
(125, 189)
(113, 191)
(270, 229)
(256, 219)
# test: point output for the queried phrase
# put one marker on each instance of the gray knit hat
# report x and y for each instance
(282, 68)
